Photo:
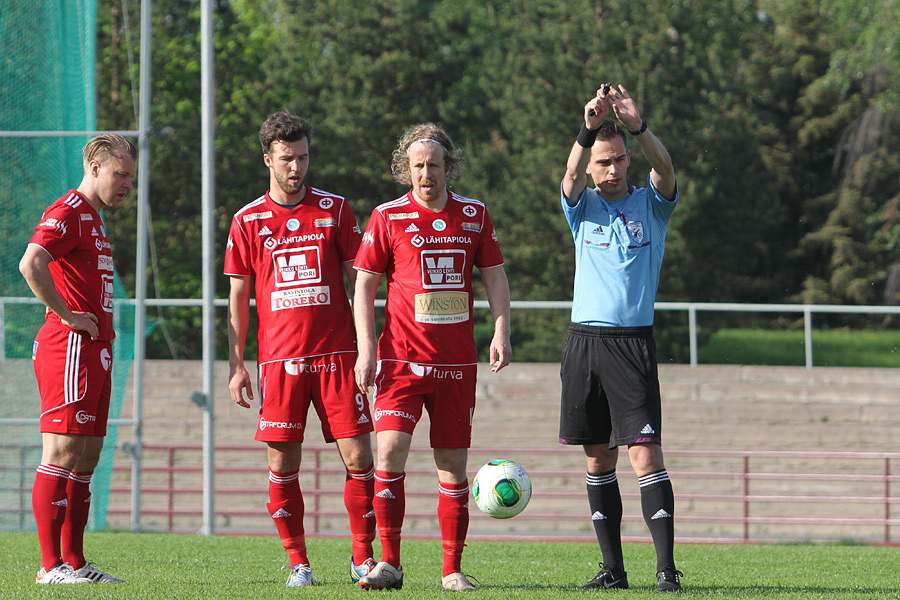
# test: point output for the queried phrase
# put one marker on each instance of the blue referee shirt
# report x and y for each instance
(619, 249)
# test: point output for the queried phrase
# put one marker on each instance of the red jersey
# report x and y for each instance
(296, 256)
(427, 258)
(74, 236)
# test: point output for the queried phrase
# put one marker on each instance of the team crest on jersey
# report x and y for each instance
(326, 203)
(439, 225)
(255, 216)
(636, 231)
(396, 216)
(469, 210)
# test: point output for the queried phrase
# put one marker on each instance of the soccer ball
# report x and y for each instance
(502, 489)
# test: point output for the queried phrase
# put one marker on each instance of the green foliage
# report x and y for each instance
(831, 348)
(780, 117)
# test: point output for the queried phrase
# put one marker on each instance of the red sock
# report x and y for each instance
(78, 494)
(48, 500)
(390, 506)
(358, 491)
(453, 517)
(286, 508)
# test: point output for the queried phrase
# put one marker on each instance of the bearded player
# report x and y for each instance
(298, 243)
(425, 243)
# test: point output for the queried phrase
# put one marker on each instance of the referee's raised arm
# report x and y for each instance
(575, 179)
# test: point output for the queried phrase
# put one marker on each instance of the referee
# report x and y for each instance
(610, 385)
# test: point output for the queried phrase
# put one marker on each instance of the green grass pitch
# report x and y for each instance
(175, 567)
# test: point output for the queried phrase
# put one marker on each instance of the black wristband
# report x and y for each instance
(586, 137)
(641, 130)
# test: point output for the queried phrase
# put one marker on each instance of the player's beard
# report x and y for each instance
(287, 186)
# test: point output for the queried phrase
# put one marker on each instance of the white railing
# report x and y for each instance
(692, 308)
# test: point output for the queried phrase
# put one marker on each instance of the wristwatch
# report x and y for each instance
(641, 130)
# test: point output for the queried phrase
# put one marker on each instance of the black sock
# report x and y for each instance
(606, 515)
(658, 506)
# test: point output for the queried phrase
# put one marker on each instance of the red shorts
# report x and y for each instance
(447, 392)
(287, 388)
(74, 376)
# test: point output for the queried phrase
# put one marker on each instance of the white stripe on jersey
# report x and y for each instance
(73, 363)
(73, 200)
(464, 200)
(394, 203)
(258, 201)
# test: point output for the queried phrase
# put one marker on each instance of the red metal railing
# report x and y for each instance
(721, 496)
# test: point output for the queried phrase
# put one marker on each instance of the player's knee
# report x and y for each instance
(646, 458)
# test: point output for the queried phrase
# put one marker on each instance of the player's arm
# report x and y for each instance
(35, 268)
(350, 272)
(662, 174)
(364, 319)
(238, 322)
(496, 287)
(575, 179)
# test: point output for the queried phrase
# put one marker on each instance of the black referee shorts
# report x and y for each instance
(610, 387)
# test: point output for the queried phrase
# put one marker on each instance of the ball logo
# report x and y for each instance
(293, 224)
(82, 417)
(105, 359)
(439, 225)
(469, 211)
(417, 241)
(326, 203)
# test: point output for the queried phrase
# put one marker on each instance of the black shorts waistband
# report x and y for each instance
(610, 332)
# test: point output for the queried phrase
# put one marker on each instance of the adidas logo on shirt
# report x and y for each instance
(283, 514)
(598, 516)
(661, 514)
(412, 228)
(362, 419)
(647, 429)
(599, 229)
(264, 231)
(386, 494)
